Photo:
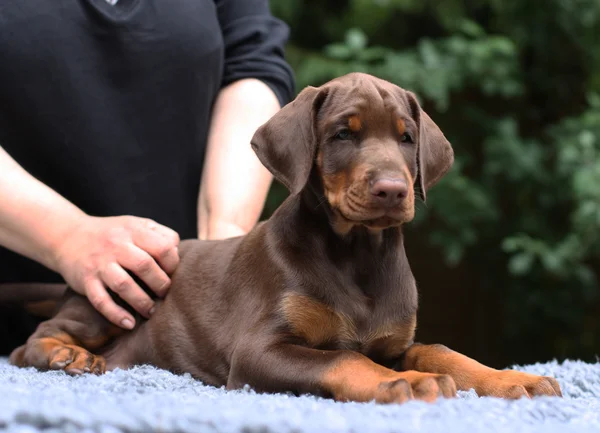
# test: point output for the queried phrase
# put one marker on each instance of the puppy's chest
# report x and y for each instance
(384, 332)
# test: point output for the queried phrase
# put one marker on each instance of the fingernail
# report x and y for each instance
(127, 323)
(152, 310)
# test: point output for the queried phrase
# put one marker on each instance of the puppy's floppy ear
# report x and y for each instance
(435, 155)
(286, 144)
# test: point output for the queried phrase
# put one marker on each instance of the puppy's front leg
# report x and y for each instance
(343, 375)
(468, 373)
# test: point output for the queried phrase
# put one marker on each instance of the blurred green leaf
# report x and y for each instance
(520, 263)
(356, 39)
(471, 28)
(338, 51)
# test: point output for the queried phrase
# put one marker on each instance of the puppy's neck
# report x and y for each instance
(360, 264)
(313, 209)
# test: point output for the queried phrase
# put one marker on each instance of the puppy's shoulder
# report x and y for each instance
(191, 250)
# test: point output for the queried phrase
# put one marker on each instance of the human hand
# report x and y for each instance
(97, 253)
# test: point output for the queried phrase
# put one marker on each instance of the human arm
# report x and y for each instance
(89, 252)
(256, 83)
(234, 182)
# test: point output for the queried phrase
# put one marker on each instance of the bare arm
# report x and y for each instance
(90, 253)
(234, 182)
(33, 217)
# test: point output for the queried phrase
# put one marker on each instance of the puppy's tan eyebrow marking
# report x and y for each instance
(401, 126)
(354, 123)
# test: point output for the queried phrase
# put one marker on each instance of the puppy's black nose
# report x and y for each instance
(389, 192)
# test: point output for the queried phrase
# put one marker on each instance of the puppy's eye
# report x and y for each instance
(406, 138)
(344, 134)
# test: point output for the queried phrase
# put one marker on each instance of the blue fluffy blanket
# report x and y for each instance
(148, 399)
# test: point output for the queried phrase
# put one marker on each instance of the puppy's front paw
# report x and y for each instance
(411, 385)
(516, 384)
(75, 360)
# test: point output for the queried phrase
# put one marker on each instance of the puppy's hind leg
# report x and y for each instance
(64, 342)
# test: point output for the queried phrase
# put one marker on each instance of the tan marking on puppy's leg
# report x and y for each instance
(469, 373)
(357, 378)
(58, 352)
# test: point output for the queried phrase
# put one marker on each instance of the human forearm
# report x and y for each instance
(90, 253)
(234, 182)
(33, 217)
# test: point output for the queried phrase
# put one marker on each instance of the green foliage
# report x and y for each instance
(515, 85)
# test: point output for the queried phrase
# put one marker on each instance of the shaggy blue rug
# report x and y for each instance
(147, 399)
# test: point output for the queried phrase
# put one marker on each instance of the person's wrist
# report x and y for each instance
(222, 229)
(57, 240)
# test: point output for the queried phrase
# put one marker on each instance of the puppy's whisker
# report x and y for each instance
(419, 208)
(418, 197)
(322, 200)
(421, 203)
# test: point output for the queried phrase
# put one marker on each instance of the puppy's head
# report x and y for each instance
(369, 143)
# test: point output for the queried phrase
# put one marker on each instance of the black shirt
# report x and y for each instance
(110, 105)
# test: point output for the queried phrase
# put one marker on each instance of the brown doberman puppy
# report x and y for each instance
(320, 298)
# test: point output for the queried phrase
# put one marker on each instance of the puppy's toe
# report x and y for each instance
(397, 391)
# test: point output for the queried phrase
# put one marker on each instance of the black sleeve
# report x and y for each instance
(254, 46)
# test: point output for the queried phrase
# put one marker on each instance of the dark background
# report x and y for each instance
(506, 251)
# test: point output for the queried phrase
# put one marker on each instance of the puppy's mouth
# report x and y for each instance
(374, 217)
(378, 222)
(382, 223)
